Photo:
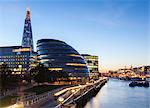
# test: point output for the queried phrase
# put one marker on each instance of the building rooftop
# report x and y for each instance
(48, 40)
(88, 55)
(10, 46)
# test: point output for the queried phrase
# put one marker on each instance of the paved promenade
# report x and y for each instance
(71, 94)
(50, 99)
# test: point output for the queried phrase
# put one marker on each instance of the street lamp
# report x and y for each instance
(61, 100)
(17, 105)
(72, 90)
(20, 68)
(80, 86)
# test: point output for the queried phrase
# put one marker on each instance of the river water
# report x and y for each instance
(117, 94)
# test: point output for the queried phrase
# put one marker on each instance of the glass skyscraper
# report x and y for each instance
(27, 40)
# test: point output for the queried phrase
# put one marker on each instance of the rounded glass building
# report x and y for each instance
(59, 56)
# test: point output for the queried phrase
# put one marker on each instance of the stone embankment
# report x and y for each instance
(80, 96)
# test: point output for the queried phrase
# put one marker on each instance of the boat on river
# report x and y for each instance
(139, 84)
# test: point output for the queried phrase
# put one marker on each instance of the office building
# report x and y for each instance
(16, 57)
(92, 64)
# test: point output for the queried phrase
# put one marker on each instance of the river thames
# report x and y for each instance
(117, 94)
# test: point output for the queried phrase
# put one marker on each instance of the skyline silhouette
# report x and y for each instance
(116, 31)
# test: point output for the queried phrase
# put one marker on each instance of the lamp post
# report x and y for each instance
(80, 86)
(61, 100)
(73, 91)
(87, 83)
(20, 68)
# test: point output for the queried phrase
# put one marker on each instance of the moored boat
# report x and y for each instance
(146, 84)
(139, 84)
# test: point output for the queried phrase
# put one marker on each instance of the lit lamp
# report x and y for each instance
(14, 71)
(19, 105)
(20, 69)
(61, 100)
(20, 66)
(80, 86)
(72, 90)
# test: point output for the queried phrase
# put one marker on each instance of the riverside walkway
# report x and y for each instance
(64, 96)
(71, 96)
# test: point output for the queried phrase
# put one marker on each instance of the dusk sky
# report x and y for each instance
(115, 30)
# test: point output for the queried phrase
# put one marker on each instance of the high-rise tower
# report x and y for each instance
(27, 40)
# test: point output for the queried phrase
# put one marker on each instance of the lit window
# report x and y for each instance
(75, 64)
(57, 69)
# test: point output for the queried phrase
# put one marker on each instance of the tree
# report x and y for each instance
(61, 75)
(40, 73)
(5, 77)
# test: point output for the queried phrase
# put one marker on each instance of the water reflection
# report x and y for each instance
(117, 94)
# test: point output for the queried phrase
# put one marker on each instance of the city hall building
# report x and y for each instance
(59, 56)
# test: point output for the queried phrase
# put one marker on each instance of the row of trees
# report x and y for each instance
(39, 74)
(7, 80)
(5, 76)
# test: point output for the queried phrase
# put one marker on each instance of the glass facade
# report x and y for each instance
(16, 57)
(92, 64)
(27, 40)
(59, 56)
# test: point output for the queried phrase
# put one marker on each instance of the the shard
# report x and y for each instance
(27, 40)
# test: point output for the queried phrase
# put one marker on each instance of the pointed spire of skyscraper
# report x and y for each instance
(27, 40)
(27, 13)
